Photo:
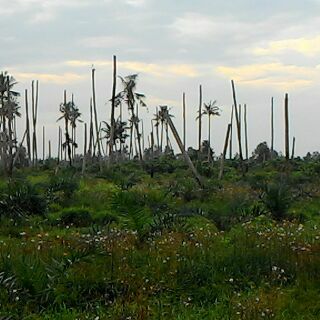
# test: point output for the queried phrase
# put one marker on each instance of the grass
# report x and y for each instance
(150, 251)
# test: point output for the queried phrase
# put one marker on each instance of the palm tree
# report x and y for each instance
(133, 100)
(8, 111)
(7, 82)
(74, 117)
(66, 109)
(119, 134)
(210, 109)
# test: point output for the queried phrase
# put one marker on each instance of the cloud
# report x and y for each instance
(306, 46)
(105, 41)
(65, 78)
(276, 75)
(159, 70)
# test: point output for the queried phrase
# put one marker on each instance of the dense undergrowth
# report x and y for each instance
(120, 244)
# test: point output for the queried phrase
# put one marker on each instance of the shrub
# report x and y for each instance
(77, 217)
(19, 199)
(62, 187)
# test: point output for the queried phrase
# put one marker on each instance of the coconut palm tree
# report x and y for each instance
(74, 118)
(66, 109)
(210, 109)
(133, 100)
(119, 135)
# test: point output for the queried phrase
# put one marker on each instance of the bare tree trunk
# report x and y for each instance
(240, 121)
(184, 119)
(209, 137)
(200, 115)
(49, 145)
(59, 145)
(293, 147)
(272, 128)
(113, 106)
(91, 138)
(286, 116)
(237, 121)
(96, 116)
(182, 149)
(35, 99)
(224, 152)
(231, 131)
(84, 150)
(28, 126)
(246, 131)
(43, 143)
(142, 134)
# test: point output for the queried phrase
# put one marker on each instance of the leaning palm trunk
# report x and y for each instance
(272, 128)
(237, 121)
(182, 149)
(224, 152)
(209, 137)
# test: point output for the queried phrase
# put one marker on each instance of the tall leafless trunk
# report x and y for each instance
(49, 145)
(59, 145)
(35, 99)
(237, 120)
(231, 131)
(272, 128)
(246, 131)
(43, 143)
(96, 114)
(28, 126)
(200, 116)
(114, 86)
(293, 147)
(286, 116)
(182, 149)
(184, 119)
(224, 151)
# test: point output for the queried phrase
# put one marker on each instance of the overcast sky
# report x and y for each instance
(268, 47)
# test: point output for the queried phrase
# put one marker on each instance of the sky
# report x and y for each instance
(268, 47)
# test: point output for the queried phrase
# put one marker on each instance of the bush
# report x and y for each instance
(77, 217)
(19, 199)
(62, 187)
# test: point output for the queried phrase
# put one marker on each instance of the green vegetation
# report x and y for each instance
(120, 244)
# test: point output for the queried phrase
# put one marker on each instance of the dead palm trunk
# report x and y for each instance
(246, 131)
(184, 119)
(209, 137)
(28, 126)
(113, 106)
(59, 145)
(35, 98)
(200, 115)
(231, 131)
(91, 137)
(84, 150)
(142, 134)
(224, 152)
(237, 121)
(272, 128)
(293, 147)
(286, 116)
(49, 145)
(96, 116)
(182, 149)
(43, 143)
